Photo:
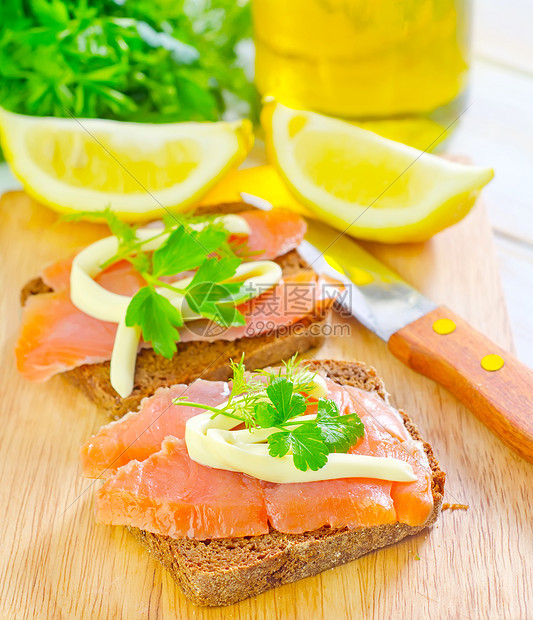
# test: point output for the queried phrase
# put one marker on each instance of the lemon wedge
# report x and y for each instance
(138, 170)
(261, 181)
(364, 184)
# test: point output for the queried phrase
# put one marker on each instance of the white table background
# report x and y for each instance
(497, 131)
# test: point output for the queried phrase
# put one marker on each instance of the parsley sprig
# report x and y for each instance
(205, 250)
(132, 60)
(270, 400)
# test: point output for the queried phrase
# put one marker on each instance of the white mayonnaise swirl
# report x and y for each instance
(212, 442)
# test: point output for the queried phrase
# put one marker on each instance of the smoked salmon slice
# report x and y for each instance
(386, 435)
(265, 241)
(347, 502)
(413, 500)
(289, 508)
(55, 336)
(57, 275)
(139, 434)
(171, 493)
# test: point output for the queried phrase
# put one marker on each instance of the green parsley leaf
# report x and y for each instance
(218, 270)
(140, 261)
(122, 231)
(280, 393)
(308, 448)
(133, 60)
(279, 443)
(266, 415)
(224, 313)
(186, 249)
(157, 318)
(285, 404)
(288, 403)
(213, 300)
(340, 432)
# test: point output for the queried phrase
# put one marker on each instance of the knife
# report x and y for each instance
(430, 339)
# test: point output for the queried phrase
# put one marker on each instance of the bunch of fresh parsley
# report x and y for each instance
(267, 400)
(205, 251)
(132, 60)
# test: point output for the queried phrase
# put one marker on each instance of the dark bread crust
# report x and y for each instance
(210, 360)
(223, 572)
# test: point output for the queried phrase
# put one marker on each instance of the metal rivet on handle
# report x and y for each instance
(492, 362)
(444, 326)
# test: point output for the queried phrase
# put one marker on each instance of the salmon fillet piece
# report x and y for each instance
(171, 493)
(273, 233)
(139, 434)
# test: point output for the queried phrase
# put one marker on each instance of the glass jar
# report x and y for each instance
(364, 60)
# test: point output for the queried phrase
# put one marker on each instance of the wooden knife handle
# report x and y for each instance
(445, 348)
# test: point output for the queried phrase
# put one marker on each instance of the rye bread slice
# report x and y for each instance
(209, 360)
(225, 571)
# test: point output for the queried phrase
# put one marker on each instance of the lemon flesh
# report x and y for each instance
(364, 184)
(138, 170)
(261, 181)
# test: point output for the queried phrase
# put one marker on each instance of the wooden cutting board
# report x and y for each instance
(56, 562)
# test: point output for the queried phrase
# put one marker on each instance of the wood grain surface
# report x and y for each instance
(56, 562)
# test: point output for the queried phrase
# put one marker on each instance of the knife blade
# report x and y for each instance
(431, 340)
(377, 296)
